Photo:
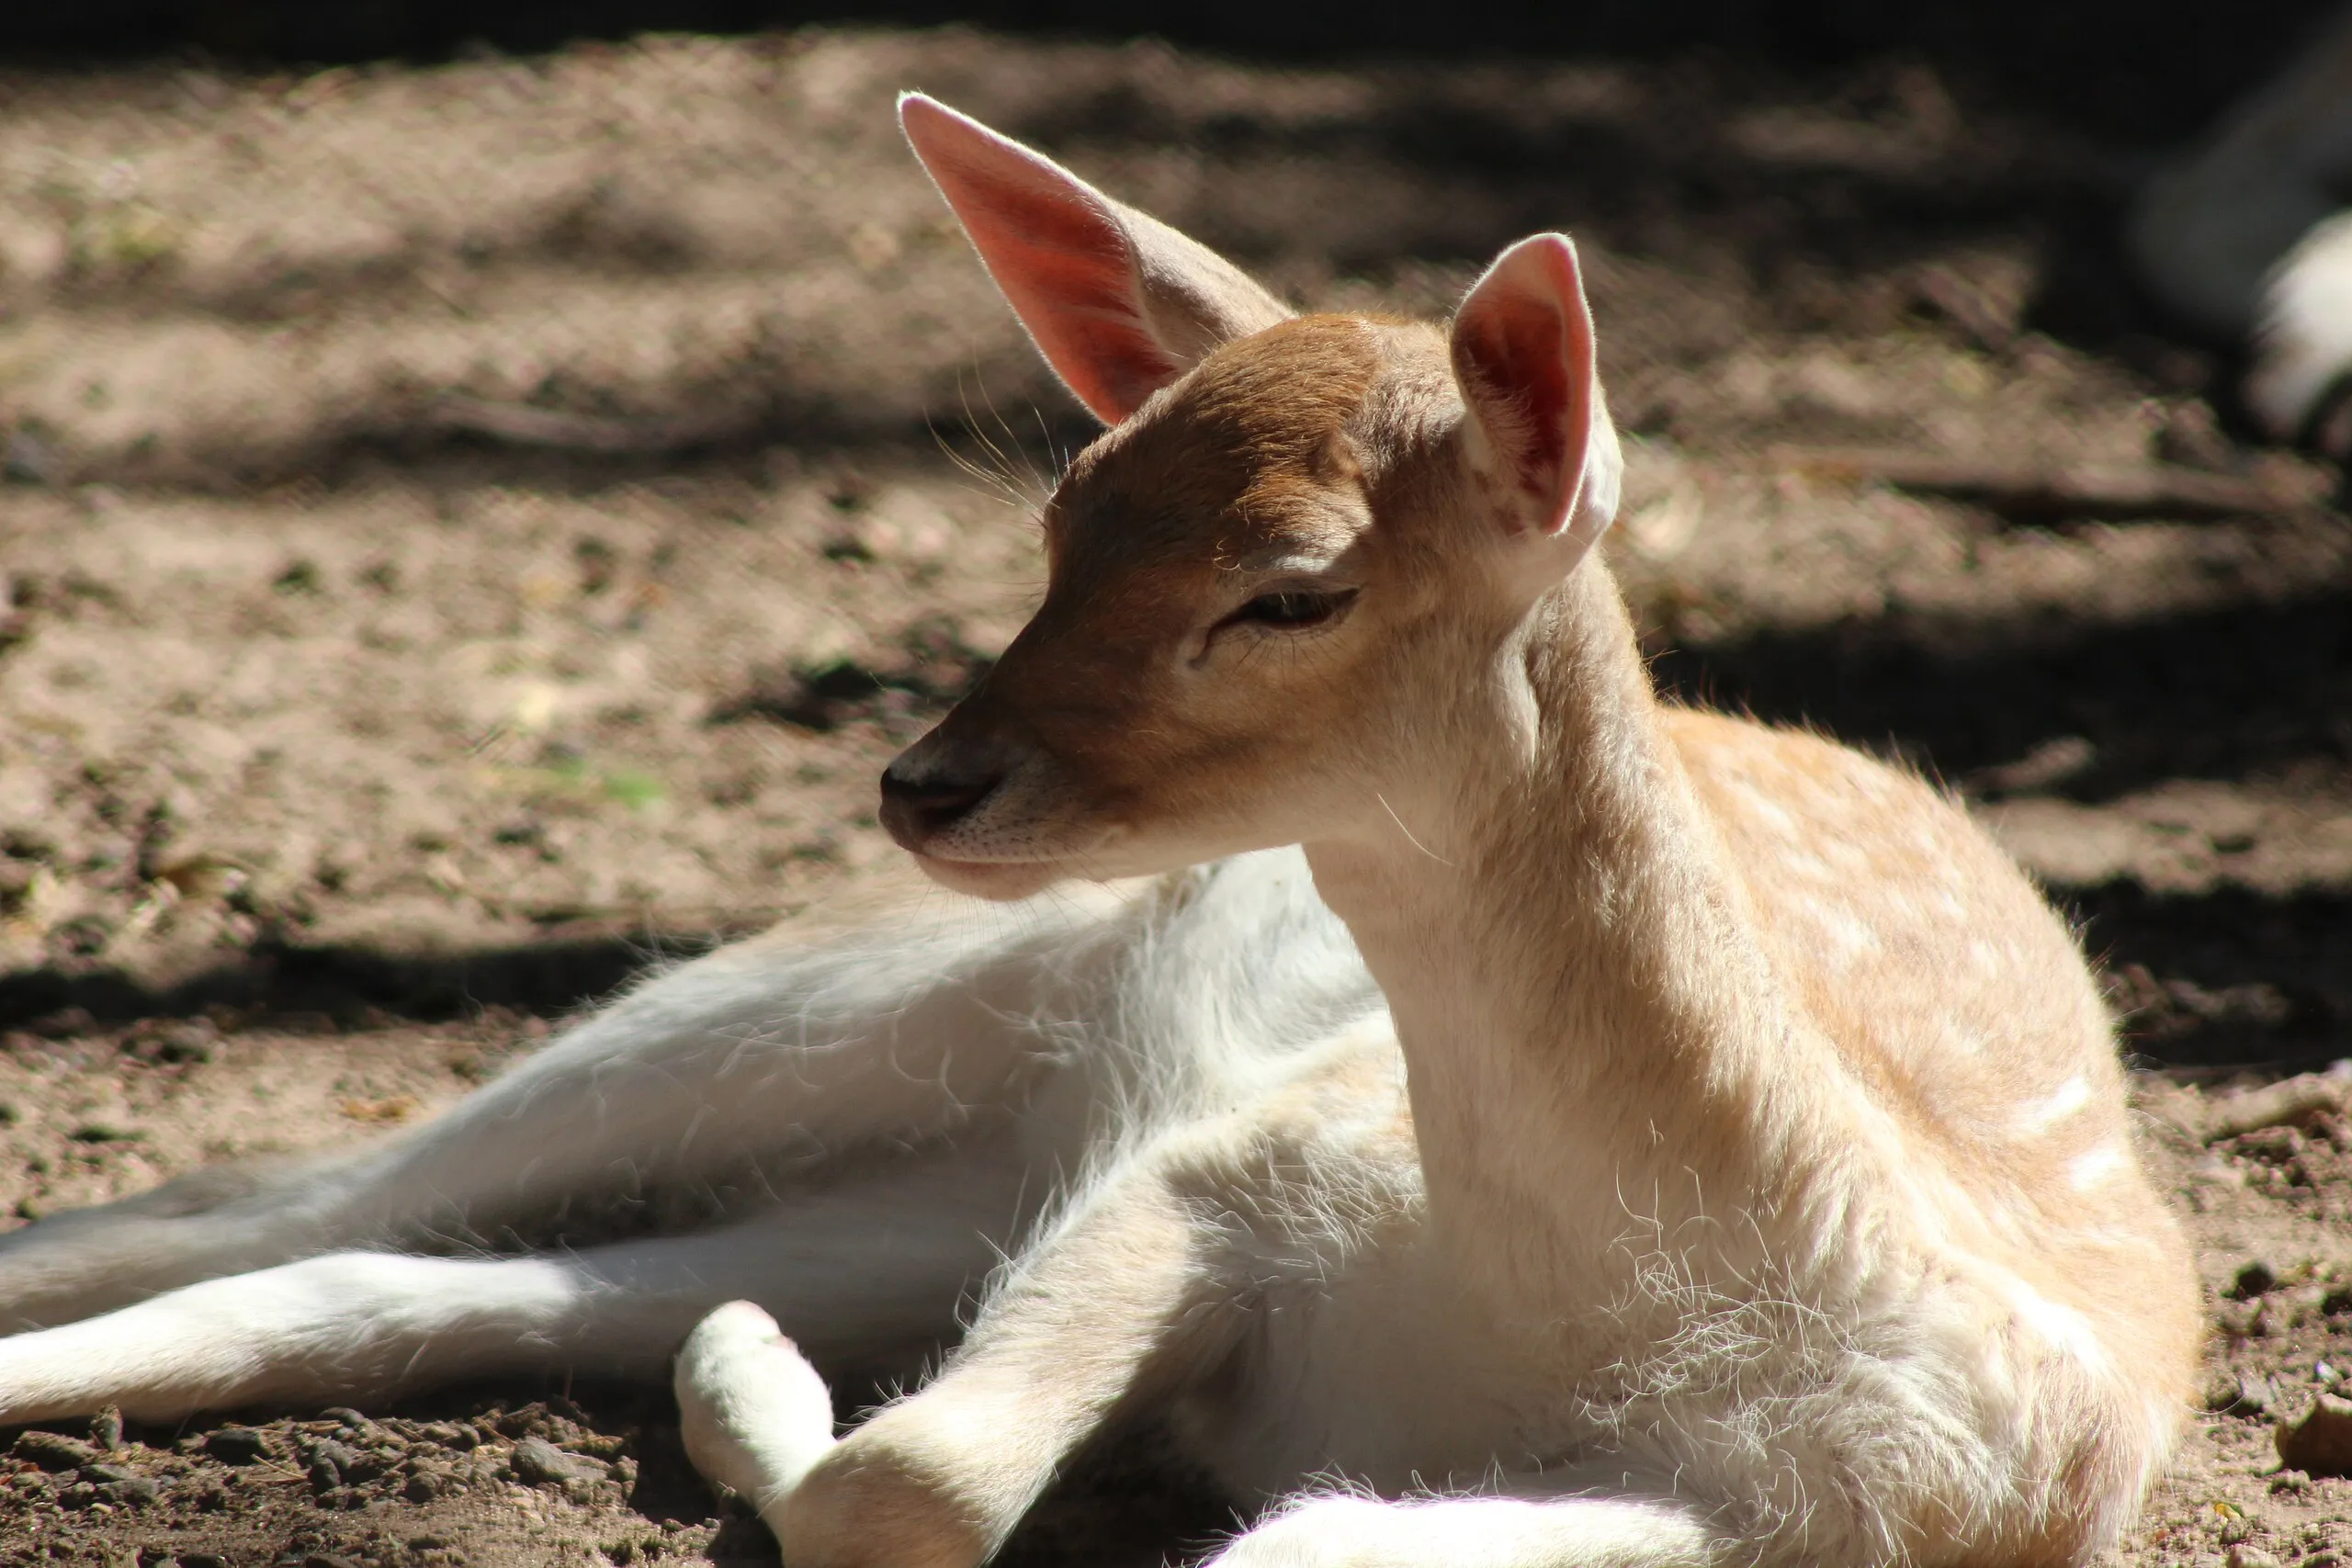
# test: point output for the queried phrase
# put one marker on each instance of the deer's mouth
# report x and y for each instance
(1001, 881)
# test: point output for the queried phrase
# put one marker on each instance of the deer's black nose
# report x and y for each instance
(914, 808)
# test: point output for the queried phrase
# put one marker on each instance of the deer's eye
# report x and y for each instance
(1291, 609)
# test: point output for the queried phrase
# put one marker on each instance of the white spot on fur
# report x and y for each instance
(1810, 867)
(1846, 853)
(2071, 1097)
(2088, 1171)
(2062, 1327)
(1763, 808)
(1844, 938)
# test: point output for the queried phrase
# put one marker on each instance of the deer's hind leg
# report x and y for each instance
(870, 1275)
(799, 1054)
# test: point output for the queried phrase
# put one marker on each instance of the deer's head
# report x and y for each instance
(1304, 544)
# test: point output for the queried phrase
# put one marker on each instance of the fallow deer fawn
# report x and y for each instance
(1736, 1170)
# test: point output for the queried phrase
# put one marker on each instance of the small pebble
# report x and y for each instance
(53, 1451)
(541, 1462)
(2257, 1393)
(2243, 1556)
(236, 1444)
(2321, 1443)
(360, 1427)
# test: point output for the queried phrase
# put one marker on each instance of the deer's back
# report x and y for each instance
(1951, 989)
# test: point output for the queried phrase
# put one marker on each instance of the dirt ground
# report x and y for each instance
(468, 531)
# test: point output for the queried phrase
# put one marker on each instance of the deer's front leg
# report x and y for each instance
(1122, 1300)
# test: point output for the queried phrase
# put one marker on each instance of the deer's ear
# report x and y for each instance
(1120, 304)
(1522, 352)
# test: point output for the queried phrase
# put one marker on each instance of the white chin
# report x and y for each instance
(1001, 881)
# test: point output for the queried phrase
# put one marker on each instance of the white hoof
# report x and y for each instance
(754, 1415)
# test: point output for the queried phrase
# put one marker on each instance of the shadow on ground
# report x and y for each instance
(2240, 692)
(354, 985)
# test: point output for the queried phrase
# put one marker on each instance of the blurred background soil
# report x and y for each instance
(470, 530)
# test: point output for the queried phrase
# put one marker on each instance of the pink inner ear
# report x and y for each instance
(1514, 347)
(1523, 348)
(1061, 259)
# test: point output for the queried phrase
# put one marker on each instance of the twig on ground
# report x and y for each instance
(2272, 1105)
(2027, 492)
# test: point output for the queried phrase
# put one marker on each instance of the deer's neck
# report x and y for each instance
(1582, 1000)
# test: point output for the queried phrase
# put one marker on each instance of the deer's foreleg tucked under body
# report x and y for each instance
(1152, 1293)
